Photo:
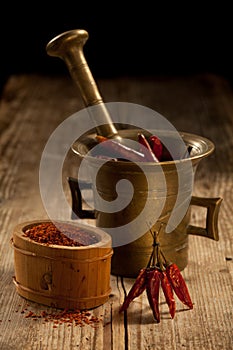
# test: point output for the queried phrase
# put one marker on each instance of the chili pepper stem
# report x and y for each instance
(160, 263)
(157, 257)
(166, 262)
(154, 258)
(150, 260)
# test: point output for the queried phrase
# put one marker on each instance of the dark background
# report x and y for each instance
(137, 40)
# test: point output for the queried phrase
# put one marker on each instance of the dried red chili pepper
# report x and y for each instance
(101, 138)
(152, 290)
(150, 155)
(138, 287)
(156, 146)
(178, 284)
(166, 155)
(119, 150)
(168, 293)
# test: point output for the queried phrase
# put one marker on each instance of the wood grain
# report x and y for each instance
(31, 107)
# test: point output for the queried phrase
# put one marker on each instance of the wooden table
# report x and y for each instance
(31, 108)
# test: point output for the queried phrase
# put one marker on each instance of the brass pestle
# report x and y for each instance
(69, 47)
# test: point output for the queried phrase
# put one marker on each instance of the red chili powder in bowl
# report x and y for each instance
(61, 234)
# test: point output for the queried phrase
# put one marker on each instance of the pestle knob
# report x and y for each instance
(69, 47)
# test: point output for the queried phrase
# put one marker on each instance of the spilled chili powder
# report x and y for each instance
(70, 317)
(61, 234)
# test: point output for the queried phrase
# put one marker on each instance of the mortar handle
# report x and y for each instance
(213, 207)
(69, 47)
(75, 188)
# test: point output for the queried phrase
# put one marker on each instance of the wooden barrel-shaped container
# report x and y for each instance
(62, 276)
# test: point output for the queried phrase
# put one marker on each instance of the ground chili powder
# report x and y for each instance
(62, 234)
(70, 317)
(62, 316)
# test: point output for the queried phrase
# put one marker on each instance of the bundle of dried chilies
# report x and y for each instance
(159, 272)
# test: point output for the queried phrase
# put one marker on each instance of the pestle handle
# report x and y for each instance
(69, 47)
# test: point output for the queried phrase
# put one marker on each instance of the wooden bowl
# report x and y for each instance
(62, 276)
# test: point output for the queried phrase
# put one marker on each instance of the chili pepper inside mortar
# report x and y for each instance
(151, 149)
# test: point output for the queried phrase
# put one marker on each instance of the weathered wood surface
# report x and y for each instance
(31, 108)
